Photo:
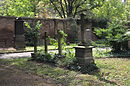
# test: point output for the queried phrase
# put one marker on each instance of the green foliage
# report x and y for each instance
(115, 32)
(45, 57)
(34, 33)
(21, 8)
(100, 52)
(16, 8)
(63, 60)
(63, 36)
(54, 42)
(112, 9)
(73, 8)
(68, 60)
(114, 35)
(35, 29)
(47, 8)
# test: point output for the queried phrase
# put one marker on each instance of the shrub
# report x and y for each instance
(45, 57)
(64, 60)
(68, 59)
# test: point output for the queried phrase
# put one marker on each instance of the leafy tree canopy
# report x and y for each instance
(22, 8)
(40, 8)
(117, 13)
(112, 9)
(72, 8)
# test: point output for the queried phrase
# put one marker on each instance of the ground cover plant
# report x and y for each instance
(64, 57)
(113, 72)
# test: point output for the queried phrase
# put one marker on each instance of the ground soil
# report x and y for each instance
(15, 77)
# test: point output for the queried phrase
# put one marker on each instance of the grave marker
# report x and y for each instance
(19, 37)
(84, 51)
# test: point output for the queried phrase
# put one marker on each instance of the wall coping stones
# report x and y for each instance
(84, 47)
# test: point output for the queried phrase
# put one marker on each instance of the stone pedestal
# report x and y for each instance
(19, 42)
(84, 55)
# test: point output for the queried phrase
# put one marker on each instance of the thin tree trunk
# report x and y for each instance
(45, 43)
(35, 44)
(62, 8)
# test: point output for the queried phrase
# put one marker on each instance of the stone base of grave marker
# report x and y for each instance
(19, 42)
(84, 55)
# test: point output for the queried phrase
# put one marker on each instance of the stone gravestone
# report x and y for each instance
(19, 38)
(84, 51)
(84, 55)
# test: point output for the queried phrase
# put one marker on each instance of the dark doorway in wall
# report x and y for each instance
(19, 37)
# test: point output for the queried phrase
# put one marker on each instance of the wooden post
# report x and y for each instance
(45, 43)
(59, 43)
(35, 44)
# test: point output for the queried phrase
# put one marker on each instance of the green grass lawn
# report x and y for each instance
(113, 72)
(50, 47)
(30, 48)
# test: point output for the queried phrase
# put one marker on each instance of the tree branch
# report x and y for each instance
(77, 6)
(55, 7)
(62, 8)
(66, 5)
(82, 11)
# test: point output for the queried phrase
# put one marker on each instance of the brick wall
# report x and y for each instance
(7, 28)
(6, 31)
(52, 25)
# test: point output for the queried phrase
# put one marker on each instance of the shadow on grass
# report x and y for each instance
(101, 78)
(95, 71)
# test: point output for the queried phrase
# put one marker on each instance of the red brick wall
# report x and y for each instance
(49, 25)
(6, 31)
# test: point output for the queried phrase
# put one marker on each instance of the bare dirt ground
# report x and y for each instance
(14, 77)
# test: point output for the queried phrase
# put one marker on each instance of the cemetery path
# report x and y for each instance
(18, 55)
(15, 55)
(14, 77)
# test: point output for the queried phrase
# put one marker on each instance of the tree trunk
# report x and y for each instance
(45, 43)
(35, 44)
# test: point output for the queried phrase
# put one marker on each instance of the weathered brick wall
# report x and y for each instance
(52, 25)
(7, 28)
(6, 31)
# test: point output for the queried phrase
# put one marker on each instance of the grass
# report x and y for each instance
(30, 48)
(113, 72)
(59, 75)
(50, 47)
(101, 52)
